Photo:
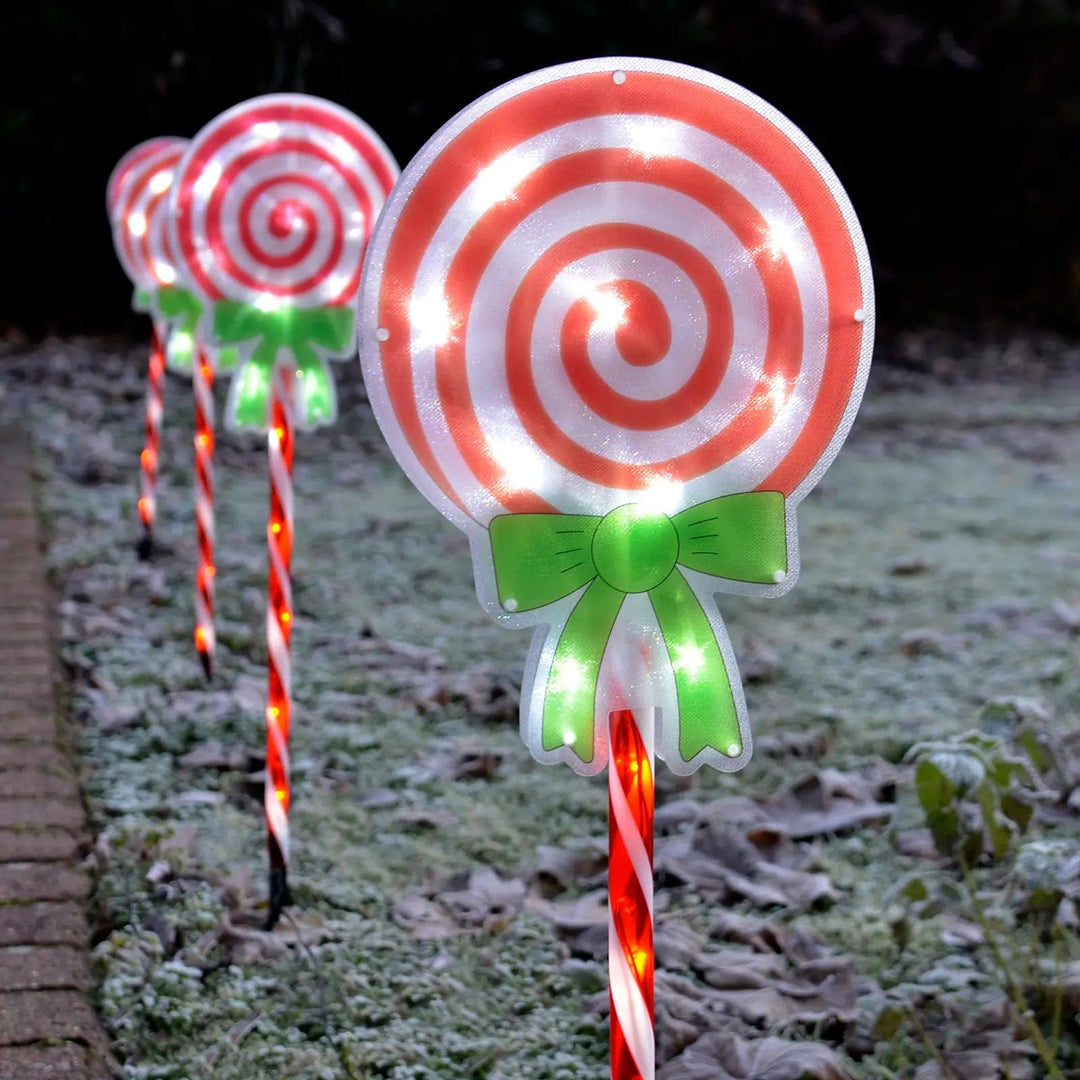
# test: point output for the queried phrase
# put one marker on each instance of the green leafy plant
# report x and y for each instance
(977, 796)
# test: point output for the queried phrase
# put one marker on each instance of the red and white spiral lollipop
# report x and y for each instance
(137, 202)
(615, 324)
(275, 202)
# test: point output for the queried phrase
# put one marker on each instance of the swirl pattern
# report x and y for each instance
(615, 280)
(277, 197)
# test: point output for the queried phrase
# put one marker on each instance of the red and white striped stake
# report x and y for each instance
(203, 381)
(631, 956)
(151, 452)
(279, 537)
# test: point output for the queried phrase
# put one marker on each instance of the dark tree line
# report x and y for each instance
(954, 125)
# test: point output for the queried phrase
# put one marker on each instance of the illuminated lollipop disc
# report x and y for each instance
(276, 199)
(138, 192)
(612, 278)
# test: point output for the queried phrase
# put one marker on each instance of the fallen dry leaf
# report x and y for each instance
(723, 1056)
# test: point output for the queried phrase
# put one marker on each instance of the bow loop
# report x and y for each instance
(540, 558)
(740, 537)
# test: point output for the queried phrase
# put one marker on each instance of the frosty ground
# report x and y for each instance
(449, 890)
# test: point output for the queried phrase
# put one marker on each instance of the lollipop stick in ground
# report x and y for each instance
(631, 959)
(152, 444)
(203, 382)
(278, 632)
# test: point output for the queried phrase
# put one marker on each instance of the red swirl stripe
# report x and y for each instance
(217, 236)
(279, 227)
(589, 95)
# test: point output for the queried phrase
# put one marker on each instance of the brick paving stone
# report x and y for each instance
(39, 845)
(41, 881)
(33, 755)
(63, 1062)
(38, 725)
(15, 783)
(57, 812)
(44, 967)
(44, 923)
(30, 1016)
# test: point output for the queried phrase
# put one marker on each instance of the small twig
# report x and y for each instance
(935, 1053)
(1059, 999)
(1017, 999)
(320, 987)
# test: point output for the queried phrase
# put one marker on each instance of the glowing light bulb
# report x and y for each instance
(662, 496)
(523, 465)
(165, 273)
(431, 321)
(780, 241)
(268, 302)
(266, 129)
(207, 181)
(689, 659)
(568, 675)
(650, 137)
(610, 309)
(500, 179)
(160, 182)
(136, 224)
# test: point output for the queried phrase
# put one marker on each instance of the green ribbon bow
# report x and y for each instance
(541, 558)
(299, 330)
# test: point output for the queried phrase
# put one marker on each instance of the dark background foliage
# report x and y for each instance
(954, 125)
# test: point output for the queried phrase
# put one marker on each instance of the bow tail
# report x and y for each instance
(570, 692)
(317, 403)
(708, 714)
(249, 394)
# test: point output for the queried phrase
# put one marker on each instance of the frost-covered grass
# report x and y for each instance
(932, 556)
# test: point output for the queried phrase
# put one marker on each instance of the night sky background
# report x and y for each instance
(954, 126)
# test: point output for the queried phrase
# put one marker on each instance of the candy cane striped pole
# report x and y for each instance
(148, 459)
(630, 898)
(278, 631)
(203, 381)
